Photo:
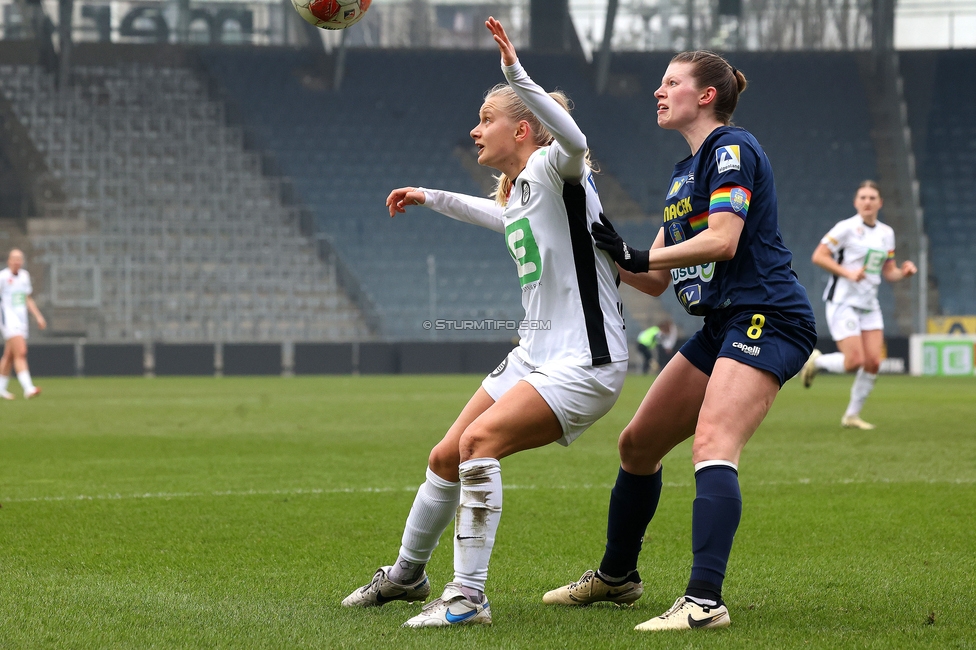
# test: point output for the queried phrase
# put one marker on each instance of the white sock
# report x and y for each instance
(833, 362)
(25, 380)
(4, 380)
(433, 508)
(863, 385)
(477, 520)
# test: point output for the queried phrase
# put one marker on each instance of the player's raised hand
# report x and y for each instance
(505, 46)
(856, 275)
(908, 269)
(399, 199)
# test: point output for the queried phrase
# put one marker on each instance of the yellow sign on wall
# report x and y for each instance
(952, 325)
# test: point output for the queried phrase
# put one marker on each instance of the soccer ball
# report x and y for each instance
(331, 14)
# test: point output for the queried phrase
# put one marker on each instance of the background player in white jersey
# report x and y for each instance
(858, 252)
(569, 366)
(15, 302)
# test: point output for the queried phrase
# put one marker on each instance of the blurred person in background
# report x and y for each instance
(651, 341)
(858, 252)
(15, 303)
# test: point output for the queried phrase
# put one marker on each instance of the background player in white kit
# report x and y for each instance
(15, 302)
(557, 382)
(858, 252)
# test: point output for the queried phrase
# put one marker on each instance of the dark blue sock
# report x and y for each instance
(716, 514)
(632, 504)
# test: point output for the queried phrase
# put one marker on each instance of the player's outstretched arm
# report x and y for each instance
(570, 138)
(461, 207)
(717, 243)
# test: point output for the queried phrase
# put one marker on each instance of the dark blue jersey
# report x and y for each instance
(730, 173)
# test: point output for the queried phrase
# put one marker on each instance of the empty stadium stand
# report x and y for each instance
(941, 97)
(397, 121)
(176, 235)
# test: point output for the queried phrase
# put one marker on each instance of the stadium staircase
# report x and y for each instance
(942, 114)
(172, 233)
(897, 176)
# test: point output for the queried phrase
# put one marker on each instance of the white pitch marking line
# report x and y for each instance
(380, 490)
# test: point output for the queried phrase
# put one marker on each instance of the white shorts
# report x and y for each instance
(11, 326)
(578, 395)
(846, 321)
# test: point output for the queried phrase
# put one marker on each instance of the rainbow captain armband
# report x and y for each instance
(730, 199)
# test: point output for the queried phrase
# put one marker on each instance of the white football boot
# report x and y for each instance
(590, 588)
(382, 590)
(687, 615)
(810, 368)
(855, 422)
(452, 608)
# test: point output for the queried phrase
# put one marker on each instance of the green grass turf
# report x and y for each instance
(239, 512)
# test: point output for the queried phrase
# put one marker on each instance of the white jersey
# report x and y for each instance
(569, 286)
(856, 245)
(14, 290)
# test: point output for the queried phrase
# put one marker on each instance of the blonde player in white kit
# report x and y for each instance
(858, 252)
(568, 368)
(15, 302)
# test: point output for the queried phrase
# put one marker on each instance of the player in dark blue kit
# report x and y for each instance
(721, 246)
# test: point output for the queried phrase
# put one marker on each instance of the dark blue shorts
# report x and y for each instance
(768, 340)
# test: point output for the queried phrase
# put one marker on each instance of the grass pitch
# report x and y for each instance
(239, 512)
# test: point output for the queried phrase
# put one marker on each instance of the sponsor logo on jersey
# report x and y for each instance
(690, 295)
(738, 198)
(727, 158)
(676, 186)
(524, 250)
(501, 368)
(677, 209)
(526, 192)
(677, 234)
(874, 260)
(704, 272)
(751, 350)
